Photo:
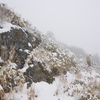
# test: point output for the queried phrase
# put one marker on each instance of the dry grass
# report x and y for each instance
(19, 89)
(31, 93)
(2, 94)
(78, 75)
(62, 85)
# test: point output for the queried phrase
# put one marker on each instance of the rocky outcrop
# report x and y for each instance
(40, 57)
(16, 44)
(37, 74)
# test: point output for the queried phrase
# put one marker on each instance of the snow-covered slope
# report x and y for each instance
(85, 84)
(34, 66)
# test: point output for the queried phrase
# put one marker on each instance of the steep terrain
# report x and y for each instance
(28, 57)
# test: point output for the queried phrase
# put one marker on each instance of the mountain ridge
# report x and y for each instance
(28, 56)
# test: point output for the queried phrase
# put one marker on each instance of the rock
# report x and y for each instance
(37, 74)
(13, 45)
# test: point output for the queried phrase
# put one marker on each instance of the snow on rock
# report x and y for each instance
(27, 51)
(1, 60)
(7, 27)
(26, 66)
(1, 87)
(29, 44)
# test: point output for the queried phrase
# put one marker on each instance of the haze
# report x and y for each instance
(73, 22)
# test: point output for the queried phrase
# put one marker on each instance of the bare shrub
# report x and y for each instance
(2, 94)
(31, 93)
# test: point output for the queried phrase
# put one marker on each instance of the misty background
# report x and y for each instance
(75, 23)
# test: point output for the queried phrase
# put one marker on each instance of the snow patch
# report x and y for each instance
(6, 27)
(27, 51)
(1, 87)
(29, 44)
(1, 60)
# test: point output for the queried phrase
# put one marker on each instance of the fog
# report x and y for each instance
(73, 22)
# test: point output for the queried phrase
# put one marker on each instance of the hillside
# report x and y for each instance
(34, 66)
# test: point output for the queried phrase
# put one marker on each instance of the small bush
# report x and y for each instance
(10, 76)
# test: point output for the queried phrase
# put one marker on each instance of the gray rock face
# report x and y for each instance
(14, 46)
(37, 74)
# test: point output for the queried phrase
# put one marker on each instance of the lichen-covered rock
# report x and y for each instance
(16, 44)
(37, 74)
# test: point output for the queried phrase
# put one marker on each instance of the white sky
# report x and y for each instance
(74, 22)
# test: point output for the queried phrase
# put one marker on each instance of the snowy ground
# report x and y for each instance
(63, 88)
(40, 91)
